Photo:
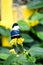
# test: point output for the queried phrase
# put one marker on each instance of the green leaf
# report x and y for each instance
(38, 28)
(41, 22)
(36, 52)
(4, 50)
(8, 32)
(4, 32)
(22, 59)
(1, 62)
(23, 26)
(27, 38)
(32, 59)
(29, 63)
(4, 56)
(36, 16)
(10, 59)
(38, 64)
(4, 53)
(35, 4)
(40, 35)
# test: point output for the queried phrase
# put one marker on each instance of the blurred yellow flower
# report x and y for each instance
(5, 42)
(13, 41)
(34, 23)
(31, 23)
(12, 51)
(20, 41)
(17, 41)
(7, 25)
(25, 12)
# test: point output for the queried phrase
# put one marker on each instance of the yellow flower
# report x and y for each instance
(5, 42)
(8, 26)
(31, 23)
(25, 12)
(12, 51)
(34, 23)
(14, 41)
(20, 41)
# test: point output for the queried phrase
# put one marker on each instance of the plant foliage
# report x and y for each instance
(31, 52)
